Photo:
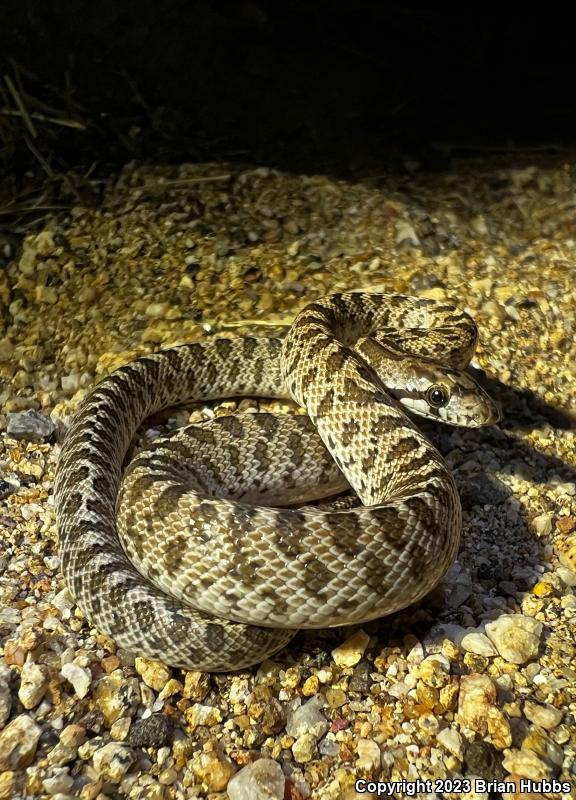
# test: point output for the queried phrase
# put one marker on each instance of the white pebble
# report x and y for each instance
(478, 643)
(452, 741)
(79, 677)
(546, 716)
(262, 780)
(308, 718)
(33, 684)
(516, 637)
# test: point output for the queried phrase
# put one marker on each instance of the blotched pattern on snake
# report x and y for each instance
(219, 565)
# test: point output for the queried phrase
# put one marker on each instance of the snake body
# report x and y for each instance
(207, 577)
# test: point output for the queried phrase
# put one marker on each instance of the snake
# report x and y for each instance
(222, 540)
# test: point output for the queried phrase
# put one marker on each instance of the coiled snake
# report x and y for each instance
(243, 576)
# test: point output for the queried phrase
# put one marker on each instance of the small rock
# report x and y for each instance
(406, 236)
(498, 729)
(198, 715)
(516, 637)
(451, 741)
(113, 761)
(543, 524)
(349, 653)
(5, 694)
(29, 425)
(172, 687)
(119, 730)
(117, 696)
(66, 750)
(157, 310)
(457, 586)
(304, 748)
(478, 643)
(18, 742)
(6, 489)
(369, 755)
(154, 674)
(544, 746)
(546, 716)
(527, 764)
(213, 770)
(6, 349)
(196, 685)
(360, 680)
(567, 576)
(434, 671)
(79, 677)
(262, 780)
(336, 697)
(308, 718)
(154, 731)
(310, 686)
(477, 696)
(328, 747)
(482, 759)
(416, 653)
(58, 784)
(33, 684)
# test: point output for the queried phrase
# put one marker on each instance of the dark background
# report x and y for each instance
(342, 87)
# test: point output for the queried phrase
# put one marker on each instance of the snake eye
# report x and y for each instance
(437, 395)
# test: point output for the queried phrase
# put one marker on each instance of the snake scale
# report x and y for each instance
(219, 565)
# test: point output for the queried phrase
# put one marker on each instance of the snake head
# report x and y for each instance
(445, 394)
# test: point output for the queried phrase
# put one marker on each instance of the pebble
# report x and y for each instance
(515, 637)
(154, 731)
(79, 677)
(328, 747)
(6, 349)
(544, 746)
(546, 716)
(66, 750)
(61, 783)
(567, 576)
(349, 653)
(478, 643)
(477, 696)
(262, 780)
(154, 674)
(304, 748)
(33, 684)
(196, 685)
(482, 759)
(30, 426)
(18, 742)
(156, 310)
(527, 764)
(113, 761)
(308, 718)
(360, 681)
(336, 697)
(199, 714)
(543, 524)
(5, 694)
(119, 730)
(369, 755)
(452, 741)
(406, 236)
(434, 671)
(116, 696)
(213, 770)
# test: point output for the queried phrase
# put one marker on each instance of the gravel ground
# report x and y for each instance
(478, 681)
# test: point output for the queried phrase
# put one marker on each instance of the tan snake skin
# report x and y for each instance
(222, 581)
